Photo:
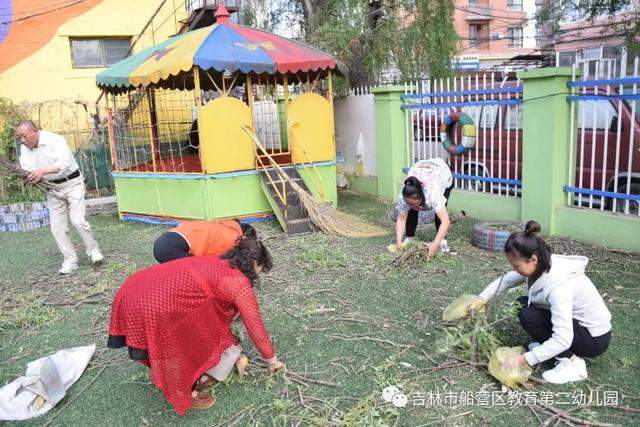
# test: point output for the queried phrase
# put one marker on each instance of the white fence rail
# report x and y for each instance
(604, 165)
(494, 103)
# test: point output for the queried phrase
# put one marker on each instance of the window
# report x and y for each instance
(514, 34)
(566, 59)
(604, 113)
(513, 120)
(473, 35)
(514, 5)
(98, 52)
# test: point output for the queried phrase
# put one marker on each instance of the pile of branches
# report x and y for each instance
(472, 338)
(9, 169)
(411, 257)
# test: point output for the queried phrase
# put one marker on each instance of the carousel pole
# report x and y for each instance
(153, 129)
(330, 88)
(198, 98)
(285, 89)
(112, 134)
(249, 93)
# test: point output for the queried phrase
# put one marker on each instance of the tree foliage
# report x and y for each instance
(553, 13)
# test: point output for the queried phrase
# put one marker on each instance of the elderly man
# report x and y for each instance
(47, 157)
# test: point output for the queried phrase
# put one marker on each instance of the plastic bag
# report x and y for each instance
(507, 375)
(459, 308)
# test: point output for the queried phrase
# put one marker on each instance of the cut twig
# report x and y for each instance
(373, 339)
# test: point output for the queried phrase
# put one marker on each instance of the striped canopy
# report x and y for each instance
(223, 47)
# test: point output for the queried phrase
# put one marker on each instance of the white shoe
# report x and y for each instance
(68, 268)
(533, 345)
(96, 257)
(407, 240)
(444, 247)
(566, 371)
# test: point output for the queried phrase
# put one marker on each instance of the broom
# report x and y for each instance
(325, 219)
(10, 169)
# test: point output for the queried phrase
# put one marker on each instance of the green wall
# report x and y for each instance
(363, 184)
(545, 149)
(391, 148)
(483, 206)
(602, 228)
(328, 176)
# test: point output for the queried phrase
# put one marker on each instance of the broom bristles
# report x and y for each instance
(322, 217)
(332, 221)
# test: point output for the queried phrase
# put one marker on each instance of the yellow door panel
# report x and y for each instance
(224, 146)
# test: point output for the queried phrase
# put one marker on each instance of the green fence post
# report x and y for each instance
(391, 147)
(546, 130)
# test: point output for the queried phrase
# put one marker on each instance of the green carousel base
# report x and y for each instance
(201, 196)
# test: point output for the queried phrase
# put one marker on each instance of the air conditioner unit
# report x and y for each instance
(496, 35)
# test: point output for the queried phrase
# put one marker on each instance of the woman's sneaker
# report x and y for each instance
(68, 267)
(533, 345)
(566, 371)
(444, 246)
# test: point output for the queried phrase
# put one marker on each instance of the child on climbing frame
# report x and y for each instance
(424, 199)
(563, 312)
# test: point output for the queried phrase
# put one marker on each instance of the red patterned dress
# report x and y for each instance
(176, 318)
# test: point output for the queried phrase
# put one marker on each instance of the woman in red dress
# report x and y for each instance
(176, 319)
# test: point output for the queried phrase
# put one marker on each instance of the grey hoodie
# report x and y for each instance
(569, 294)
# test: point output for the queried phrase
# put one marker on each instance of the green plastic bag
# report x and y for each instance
(459, 308)
(507, 375)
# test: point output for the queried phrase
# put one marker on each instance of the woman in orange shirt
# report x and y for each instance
(197, 238)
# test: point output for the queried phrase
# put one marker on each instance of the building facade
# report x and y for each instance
(494, 31)
(597, 47)
(52, 49)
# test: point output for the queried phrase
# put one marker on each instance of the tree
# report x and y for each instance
(554, 12)
(368, 36)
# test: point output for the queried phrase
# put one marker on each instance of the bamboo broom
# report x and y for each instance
(9, 168)
(323, 218)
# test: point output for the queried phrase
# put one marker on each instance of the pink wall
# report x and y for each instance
(498, 21)
(585, 34)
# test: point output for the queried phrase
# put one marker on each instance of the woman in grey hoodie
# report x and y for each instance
(563, 312)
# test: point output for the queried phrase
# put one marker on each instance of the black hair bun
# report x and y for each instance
(412, 180)
(531, 228)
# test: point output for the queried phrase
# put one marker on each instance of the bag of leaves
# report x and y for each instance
(459, 308)
(504, 373)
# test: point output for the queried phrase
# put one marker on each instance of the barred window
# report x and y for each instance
(98, 52)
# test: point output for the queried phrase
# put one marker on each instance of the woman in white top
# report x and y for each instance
(563, 312)
(424, 199)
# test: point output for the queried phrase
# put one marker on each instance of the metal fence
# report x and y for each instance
(604, 164)
(494, 103)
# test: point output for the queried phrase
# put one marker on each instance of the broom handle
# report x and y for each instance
(256, 141)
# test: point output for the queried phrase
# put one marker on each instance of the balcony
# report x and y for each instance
(479, 12)
(193, 5)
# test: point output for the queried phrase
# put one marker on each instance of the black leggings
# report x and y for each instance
(412, 217)
(170, 246)
(537, 322)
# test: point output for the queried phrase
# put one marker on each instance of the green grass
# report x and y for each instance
(334, 307)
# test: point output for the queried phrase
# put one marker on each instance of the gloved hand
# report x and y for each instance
(462, 306)
(478, 305)
(394, 248)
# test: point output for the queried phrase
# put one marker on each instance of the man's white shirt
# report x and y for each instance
(52, 151)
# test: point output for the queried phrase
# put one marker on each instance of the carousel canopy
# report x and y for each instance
(224, 47)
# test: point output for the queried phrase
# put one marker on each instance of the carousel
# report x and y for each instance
(178, 115)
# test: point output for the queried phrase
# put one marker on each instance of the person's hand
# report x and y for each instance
(516, 361)
(432, 249)
(37, 175)
(275, 366)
